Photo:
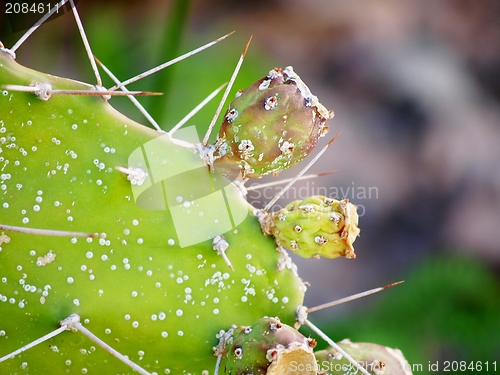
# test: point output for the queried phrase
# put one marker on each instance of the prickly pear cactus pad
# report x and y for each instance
(316, 226)
(271, 126)
(376, 359)
(270, 347)
(73, 241)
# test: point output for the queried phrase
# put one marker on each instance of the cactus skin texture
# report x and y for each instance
(134, 287)
(376, 359)
(269, 347)
(316, 226)
(271, 126)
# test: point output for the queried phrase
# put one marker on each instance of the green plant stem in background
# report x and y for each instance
(169, 49)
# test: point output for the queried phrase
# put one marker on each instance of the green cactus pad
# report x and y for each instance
(271, 126)
(316, 226)
(130, 281)
(269, 347)
(376, 359)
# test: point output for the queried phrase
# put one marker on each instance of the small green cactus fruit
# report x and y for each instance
(315, 226)
(272, 125)
(270, 347)
(376, 359)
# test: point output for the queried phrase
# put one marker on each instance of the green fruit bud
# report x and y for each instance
(269, 347)
(272, 125)
(376, 359)
(316, 226)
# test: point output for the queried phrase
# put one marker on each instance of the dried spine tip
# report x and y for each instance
(279, 117)
(268, 347)
(316, 226)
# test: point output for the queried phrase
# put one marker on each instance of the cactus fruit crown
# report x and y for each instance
(270, 126)
(75, 243)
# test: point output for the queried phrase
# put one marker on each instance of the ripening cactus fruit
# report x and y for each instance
(376, 359)
(269, 347)
(270, 126)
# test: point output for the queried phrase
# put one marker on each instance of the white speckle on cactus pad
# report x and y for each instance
(250, 268)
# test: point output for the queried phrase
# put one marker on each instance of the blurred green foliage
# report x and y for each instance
(448, 309)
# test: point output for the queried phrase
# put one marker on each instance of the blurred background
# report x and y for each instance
(415, 87)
